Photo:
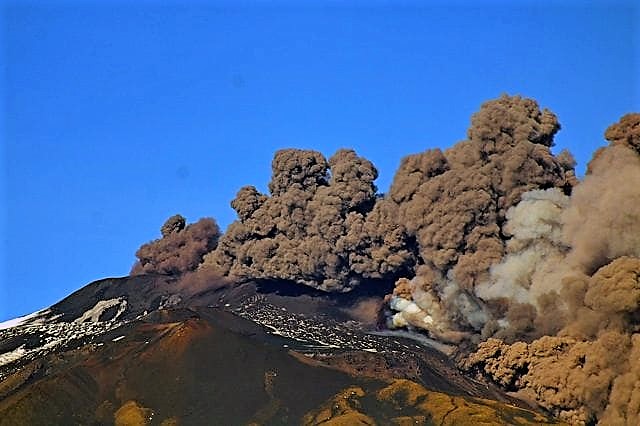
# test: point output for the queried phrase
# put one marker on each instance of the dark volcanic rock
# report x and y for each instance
(142, 348)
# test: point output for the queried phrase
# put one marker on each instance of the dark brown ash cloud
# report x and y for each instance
(455, 204)
(180, 249)
(588, 371)
(586, 368)
(313, 227)
(441, 227)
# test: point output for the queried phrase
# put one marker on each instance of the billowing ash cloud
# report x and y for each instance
(455, 204)
(588, 370)
(180, 249)
(313, 229)
(603, 221)
(583, 292)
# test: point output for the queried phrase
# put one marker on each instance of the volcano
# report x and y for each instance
(140, 350)
(488, 272)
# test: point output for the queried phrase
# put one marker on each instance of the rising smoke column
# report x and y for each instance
(312, 228)
(180, 249)
(587, 369)
(440, 226)
(454, 203)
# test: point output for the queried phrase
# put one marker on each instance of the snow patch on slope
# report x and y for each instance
(93, 314)
(13, 355)
(54, 333)
(21, 320)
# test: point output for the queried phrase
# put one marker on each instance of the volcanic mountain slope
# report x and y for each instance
(142, 351)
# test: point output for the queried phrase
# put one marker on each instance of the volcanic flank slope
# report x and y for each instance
(144, 351)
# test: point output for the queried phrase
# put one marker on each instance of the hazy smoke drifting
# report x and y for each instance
(180, 249)
(313, 227)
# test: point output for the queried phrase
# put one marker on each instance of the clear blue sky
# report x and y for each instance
(115, 117)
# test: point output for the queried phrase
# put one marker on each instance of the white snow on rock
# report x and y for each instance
(54, 333)
(14, 355)
(21, 320)
(418, 337)
(93, 314)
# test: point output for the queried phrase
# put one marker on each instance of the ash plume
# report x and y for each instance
(180, 249)
(366, 310)
(573, 373)
(455, 203)
(603, 220)
(201, 280)
(579, 356)
(312, 228)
